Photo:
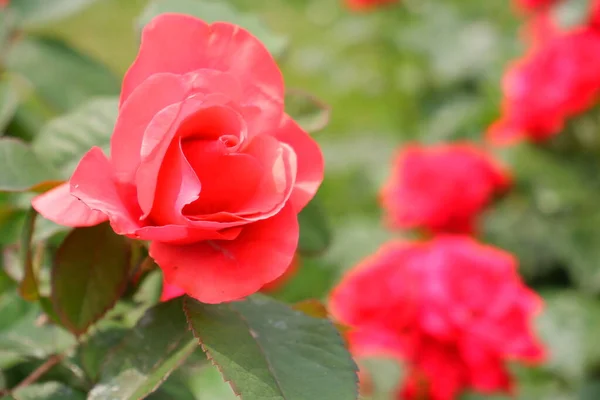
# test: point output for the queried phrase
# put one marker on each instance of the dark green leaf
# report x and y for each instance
(9, 100)
(48, 391)
(35, 12)
(65, 139)
(29, 284)
(11, 223)
(92, 353)
(308, 111)
(157, 345)
(89, 275)
(315, 235)
(267, 350)
(213, 11)
(20, 167)
(67, 79)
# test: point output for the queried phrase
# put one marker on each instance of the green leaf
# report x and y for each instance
(20, 168)
(65, 139)
(29, 286)
(267, 350)
(48, 391)
(89, 274)
(315, 234)
(67, 79)
(208, 384)
(175, 387)
(213, 11)
(26, 338)
(590, 391)
(308, 111)
(9, 100)
(92, 353)
(156, 346)
(12, 309)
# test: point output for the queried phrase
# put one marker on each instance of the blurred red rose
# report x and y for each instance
(453, 309)
(534, 5)
(594, 19)
(553, 82)
(540, 29)
(441, 188)
(363, 5)
(204, 163)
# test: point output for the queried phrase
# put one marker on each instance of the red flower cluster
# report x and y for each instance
(441, 188)
(204, 162)
(453, 309)
(558, 78)
(363, 5)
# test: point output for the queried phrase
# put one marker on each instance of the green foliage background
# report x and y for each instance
(426, 70)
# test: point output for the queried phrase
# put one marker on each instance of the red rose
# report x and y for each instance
(534, 5)
(454, 310)
(204, 163)
(283, 279)
(441, 188)
(171, 291)
(363, 5)
(553, 82)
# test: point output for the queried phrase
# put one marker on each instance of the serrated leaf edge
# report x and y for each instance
(235, 390)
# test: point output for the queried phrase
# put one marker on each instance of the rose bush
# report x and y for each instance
(441, 188)
(452, 309)
(204, 163)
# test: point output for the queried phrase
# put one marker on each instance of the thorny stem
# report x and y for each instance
(36, 374)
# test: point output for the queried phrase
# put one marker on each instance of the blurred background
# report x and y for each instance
(422, 70)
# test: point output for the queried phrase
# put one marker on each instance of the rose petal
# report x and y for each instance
(178, 186)
(218, 271)
(170, 292)
(93, 182)
(151, 96)
(271, 169)
(180, 44)
(179, 119)
(228, 180)
(309, 158)
(185, 234)
(59, 206)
